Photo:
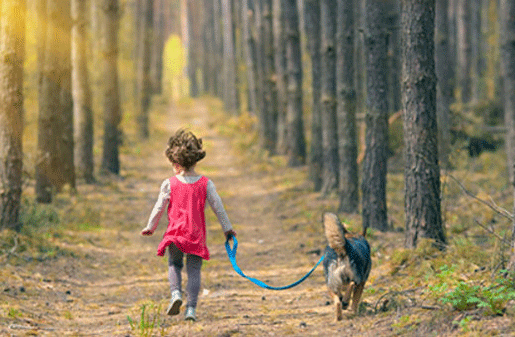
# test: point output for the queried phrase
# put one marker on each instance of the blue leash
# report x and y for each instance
(232, 257)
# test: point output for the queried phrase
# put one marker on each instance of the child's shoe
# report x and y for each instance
(175, 303)
(190, 314)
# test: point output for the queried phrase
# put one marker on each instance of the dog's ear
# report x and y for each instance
(335, 233)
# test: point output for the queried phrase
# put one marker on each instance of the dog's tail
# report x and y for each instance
(335, 233)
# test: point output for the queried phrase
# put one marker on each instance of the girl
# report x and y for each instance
(184, 195)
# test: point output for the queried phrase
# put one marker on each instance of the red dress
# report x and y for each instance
(186, 220)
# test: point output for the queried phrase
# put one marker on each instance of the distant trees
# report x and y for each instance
(12, 54)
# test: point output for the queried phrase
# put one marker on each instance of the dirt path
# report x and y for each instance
(107, 275)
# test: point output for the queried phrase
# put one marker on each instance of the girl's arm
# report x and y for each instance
(159, 208)
(217, 206)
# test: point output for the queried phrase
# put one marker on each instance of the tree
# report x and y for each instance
(328, 96)
(12, 54)
(250, 52)
(143, 81)
(281, 76)
(463, 49)
(109, 91)
(348, 188)
(312, 29)
(230, 96)
(507, 16)
(444, 74)
(376, 138)
(296, 144)
(421, 171)
(83, 112)
(55, 167)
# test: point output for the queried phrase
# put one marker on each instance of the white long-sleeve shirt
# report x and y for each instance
(212, 197)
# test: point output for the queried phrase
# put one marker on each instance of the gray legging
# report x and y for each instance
(193, 266)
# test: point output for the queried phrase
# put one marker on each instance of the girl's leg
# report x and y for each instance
(193, 266)
(175, 264)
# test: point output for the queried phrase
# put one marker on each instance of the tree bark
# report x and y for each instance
(12, 54)
(295, 141)
(83, 112)
(348, 188)
(376, 138)
(507, 17)
(110, 94)
(421, 171)
(312, 29)
(328, 96)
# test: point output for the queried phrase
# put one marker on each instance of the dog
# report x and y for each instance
(347, 264)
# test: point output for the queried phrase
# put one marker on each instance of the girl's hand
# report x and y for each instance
(229, 234)
(146, 232)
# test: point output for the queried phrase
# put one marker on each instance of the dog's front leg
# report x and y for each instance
(356, 296)
(337, 307)
(346, 297)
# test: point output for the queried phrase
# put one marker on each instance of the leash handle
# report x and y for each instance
(231, 252)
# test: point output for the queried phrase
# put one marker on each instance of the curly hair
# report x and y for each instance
(185, 149)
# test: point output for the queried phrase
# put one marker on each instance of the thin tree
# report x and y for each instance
(312, 30)
(110, 95)
(143, 80)
(250, 52)
(444, 74)
(231, 102)
(463, 49)
(281, 76)
(507, 16)
(421, 170)
(376, 119)
(296, 143)
(12, 54)
(348, 188)
(83, 112)
(328, 96)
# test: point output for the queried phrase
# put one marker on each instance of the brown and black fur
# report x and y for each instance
(346, 265)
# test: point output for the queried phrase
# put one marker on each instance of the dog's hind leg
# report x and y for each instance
(356, 296)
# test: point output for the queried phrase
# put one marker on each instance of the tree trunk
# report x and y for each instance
(444, 74)
(83, 114)
(12, 54)
(218, 44)
(328, 96)
(110, 94)
(348, 188)
(268, 126)
(281, 76)
(250, 53)
(295, 141)
(66, 153)
(55, 167)
(421, 171)
(157, 44)
(507, 17)
(143, 81)
(229, 60)
(463, 49)
(312, 29)
(376, 118)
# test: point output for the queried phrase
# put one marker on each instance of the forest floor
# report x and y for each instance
(91, 273)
